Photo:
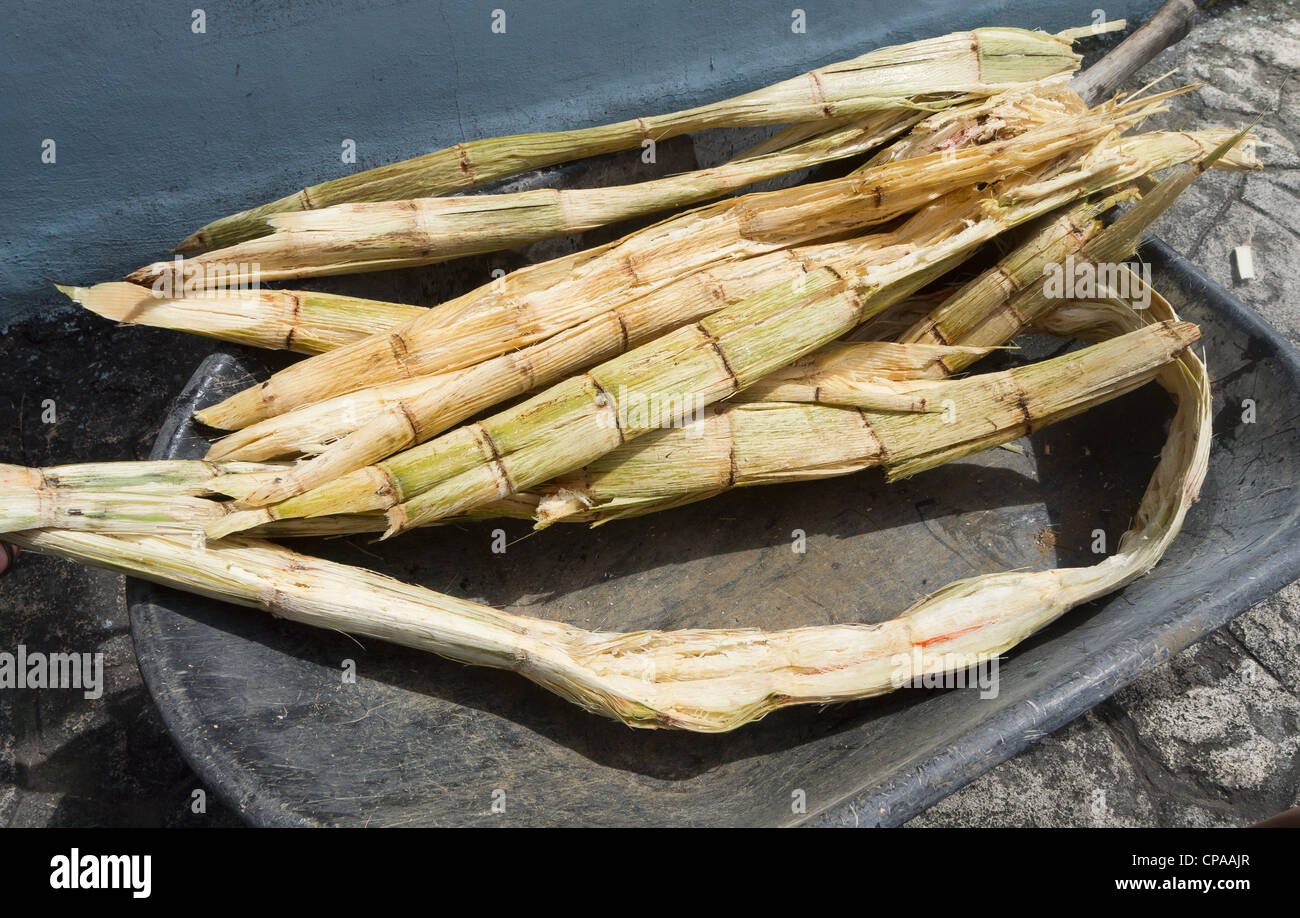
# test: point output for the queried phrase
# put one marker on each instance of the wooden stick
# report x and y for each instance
(1167, 27)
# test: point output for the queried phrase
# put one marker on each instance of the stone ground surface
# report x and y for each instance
(1210, 739)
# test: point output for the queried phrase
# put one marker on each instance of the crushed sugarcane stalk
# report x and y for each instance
(918, 76)
(775, 337)
(761, 443)
(311, 429)
(703, 680)
(303, 321)
(163, 496)
(533, 303)
(627, 482)
(966, 318)
(450, 398)
(352, 238)
(385, 235)
(882, 375)
(993, 308)
(413, 493)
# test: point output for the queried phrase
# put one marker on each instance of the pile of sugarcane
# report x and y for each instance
(802, 333)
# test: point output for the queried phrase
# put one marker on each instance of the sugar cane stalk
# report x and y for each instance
(312, 429)
(448, 398)
(581, 418)
(387, 483)
(413, 411)
(880, 375)
(152, 497)
(536, 302)
(383, 235)
(919, 75)
(769, 443)
(376, 236)
(991, 309)
(100, 496)
(296, 320)
(705, 680)
(967, 319)
(161, 497)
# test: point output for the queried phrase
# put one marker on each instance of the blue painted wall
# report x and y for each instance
(158, 129)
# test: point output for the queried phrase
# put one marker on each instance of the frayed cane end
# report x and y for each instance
(239, 521)
(397, 522)
(218, 449)
(210, 417)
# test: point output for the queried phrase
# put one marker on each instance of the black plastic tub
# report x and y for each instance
(261, 710)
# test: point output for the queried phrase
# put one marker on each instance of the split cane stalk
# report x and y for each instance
(414, 411)
(967, 318)
(637, 478)
(142, 497)
(294, 320)
(452, 397)
(919, 75)
(384, 235)
(311, 322)
(312, 429)
(755, 443)
(377, 236)
(407, 476)
(448, 398)
(585, 416)
(533, 303)
(705, 680)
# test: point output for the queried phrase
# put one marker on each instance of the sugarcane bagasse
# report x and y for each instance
(816, 331)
